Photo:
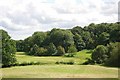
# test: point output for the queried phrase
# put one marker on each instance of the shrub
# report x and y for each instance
(71, 62)
(99, 54)
(115, 55)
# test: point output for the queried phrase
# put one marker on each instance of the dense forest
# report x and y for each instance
(103, 39)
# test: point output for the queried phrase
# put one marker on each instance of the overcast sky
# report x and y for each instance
(21, 18)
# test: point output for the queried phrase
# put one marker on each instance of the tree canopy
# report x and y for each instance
(77, 38)
(8, 49)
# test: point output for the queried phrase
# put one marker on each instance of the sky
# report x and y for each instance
(21, 18)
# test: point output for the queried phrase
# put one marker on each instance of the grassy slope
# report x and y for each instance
(78, 59)
(60, 71)
(50, 70)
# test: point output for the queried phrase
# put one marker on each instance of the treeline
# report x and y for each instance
(60, 41)
(100, 37)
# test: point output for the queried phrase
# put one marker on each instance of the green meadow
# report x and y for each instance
(51, 70)
(60, 71)
(79, 58)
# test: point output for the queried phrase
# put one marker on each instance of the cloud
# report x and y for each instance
(110, 8)
(21, 18)
(69, 7)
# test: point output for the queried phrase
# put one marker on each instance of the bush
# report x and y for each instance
(23, 64)
(71, 62)
(29, 63)
(115, 55)
(99, 54)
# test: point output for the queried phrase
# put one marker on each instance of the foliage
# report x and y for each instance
(28, 44)
(39, 37)
(8, 49)
(60, 37)
(51, 48)
(71, 62)
(72, 49)
(107, 55)
(103, 38)
(20, 45)
(24, 64)
(88, 37)
(114, 57)
(60, 51)
(80, 44)
(41, 52)
(38, 51)
(88, 40)
(99, 54)
(34, 49)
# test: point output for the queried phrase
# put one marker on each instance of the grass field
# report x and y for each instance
(52, 70)
(79, 58)
(60, 71)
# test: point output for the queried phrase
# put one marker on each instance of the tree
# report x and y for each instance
(28, 44)
(115, 32)
(51, 48)
(60, 37)
(103, 38)
(115, 55)
(41, 52)
(80, 45)
(60, 51)
(77, 30)
(34, 49)
(38, 51)
(20, 45)
(99, 54)
(72, 49)
(8, 49)
(39, 37)
(88, 40)
(88, 37)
